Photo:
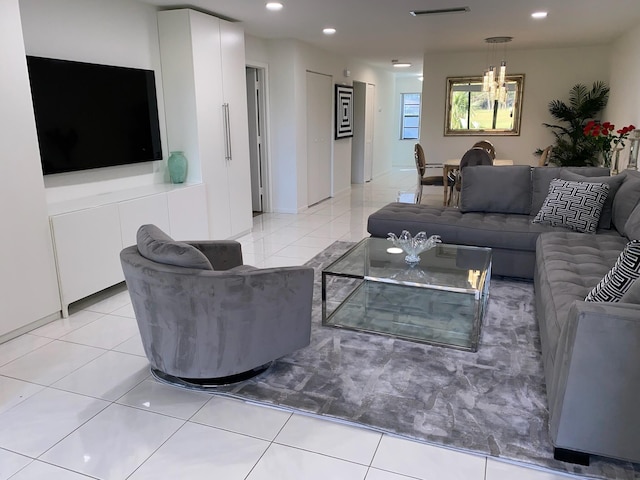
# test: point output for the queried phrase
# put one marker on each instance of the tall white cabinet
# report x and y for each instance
(203, 76)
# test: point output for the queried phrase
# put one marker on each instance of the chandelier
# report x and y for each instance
(494, 79)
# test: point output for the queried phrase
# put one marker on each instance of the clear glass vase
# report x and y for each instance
(615, 165)
(413, 246)
(634, 146)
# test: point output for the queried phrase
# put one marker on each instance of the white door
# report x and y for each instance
(255, 138)
(368, 131)
(319, 107)
(357, 141)
(235, 108)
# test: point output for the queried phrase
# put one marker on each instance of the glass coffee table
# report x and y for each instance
(440, 300)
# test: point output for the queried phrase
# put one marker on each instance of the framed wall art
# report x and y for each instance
(344, 111)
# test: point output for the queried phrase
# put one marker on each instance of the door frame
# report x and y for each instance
(330, 138)
(263, 78)
(364, 103)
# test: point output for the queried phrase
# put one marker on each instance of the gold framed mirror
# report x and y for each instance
(472, 111)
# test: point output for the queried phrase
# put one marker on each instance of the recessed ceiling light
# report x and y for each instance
(401, 64)
(539, 15)
(274, 6)
(329, 31)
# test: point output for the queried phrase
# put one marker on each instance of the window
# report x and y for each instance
(410, 116)
(470, 111)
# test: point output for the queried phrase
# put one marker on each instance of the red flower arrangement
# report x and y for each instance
(606, 139)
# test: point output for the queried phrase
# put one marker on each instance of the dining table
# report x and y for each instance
(454, 164)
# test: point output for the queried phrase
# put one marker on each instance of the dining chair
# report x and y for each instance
(421, 167)
(545, 156)
(473, 156)
(488, 146)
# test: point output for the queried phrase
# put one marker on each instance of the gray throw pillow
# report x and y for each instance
(491, 189)
(573, 205)
(626, 199)
(619, 279)
(159, 247)
(633, 294)
(613, 182)
(632, 227)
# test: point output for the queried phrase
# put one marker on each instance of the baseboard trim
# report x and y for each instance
(31, 326)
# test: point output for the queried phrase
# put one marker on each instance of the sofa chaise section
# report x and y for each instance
(497, 207)
(591, 351)
(511, 237)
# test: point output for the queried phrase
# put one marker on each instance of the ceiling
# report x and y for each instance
(377, 31)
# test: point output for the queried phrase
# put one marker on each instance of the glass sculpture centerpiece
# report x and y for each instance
(413, 246)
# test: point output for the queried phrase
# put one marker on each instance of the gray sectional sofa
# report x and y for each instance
(590, 350)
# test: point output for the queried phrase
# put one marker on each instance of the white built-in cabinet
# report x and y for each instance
(89, 233)
(204, 87)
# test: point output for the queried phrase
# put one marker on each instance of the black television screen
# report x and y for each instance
(90, 116)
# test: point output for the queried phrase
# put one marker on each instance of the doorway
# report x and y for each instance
(364, 97)
(319, 107)
(256, 109)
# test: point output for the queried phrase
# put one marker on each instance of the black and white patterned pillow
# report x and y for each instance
(573, 205)
(621, 276)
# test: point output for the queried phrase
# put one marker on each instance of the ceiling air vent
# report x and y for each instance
(440, 11)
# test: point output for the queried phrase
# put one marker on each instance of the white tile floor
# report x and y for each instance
(77, 401)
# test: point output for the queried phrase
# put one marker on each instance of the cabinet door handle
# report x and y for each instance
(227, 131)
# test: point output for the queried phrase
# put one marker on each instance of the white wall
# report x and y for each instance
(624, 100)
(403, 149)
(284, 163)
(549, 75)
(28, 286)
(114, 32)
(384, 133)
(288, 62)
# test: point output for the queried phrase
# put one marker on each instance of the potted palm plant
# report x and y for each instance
(572, 146)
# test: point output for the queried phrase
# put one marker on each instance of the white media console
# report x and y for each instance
(89, 233)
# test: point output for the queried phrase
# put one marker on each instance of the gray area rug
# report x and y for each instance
(491, 402)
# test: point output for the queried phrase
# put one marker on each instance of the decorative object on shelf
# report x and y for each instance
(634, 146)
(607, 142)
(413, 246)
(494, 79)
(615, 164)
(344, 111)
(177, 167)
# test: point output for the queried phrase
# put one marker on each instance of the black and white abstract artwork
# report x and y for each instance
(344, 111)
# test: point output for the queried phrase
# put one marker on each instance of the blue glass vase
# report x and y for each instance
(177, 167)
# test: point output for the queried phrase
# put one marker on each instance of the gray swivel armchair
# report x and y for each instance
(205, 318)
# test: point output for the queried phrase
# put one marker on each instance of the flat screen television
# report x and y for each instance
(90, 116)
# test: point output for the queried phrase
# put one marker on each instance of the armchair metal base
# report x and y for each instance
(571, 456)
(207, 384)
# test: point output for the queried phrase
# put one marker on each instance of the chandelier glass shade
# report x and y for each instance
(494, 78)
